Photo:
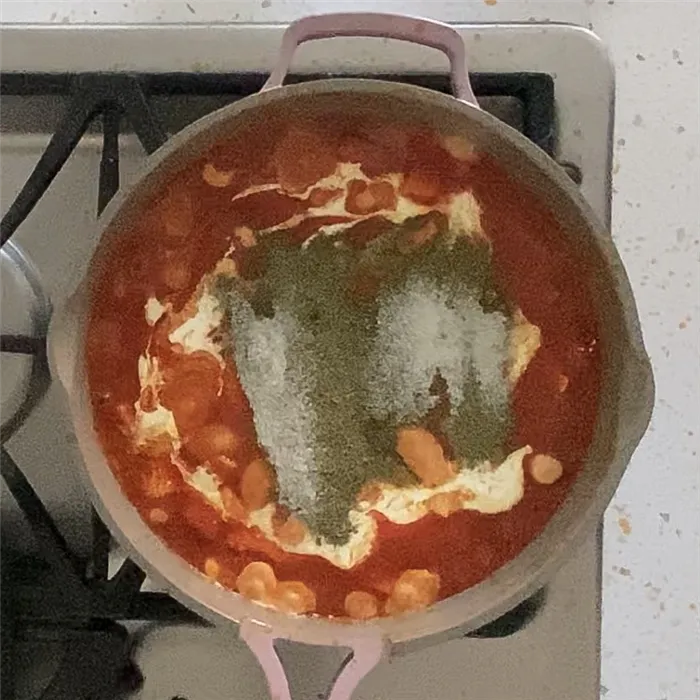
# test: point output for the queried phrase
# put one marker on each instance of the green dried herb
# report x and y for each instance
(302, 342)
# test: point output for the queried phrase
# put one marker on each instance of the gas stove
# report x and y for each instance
(81, 108)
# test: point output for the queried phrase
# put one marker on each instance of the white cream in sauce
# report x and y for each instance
(154, 311)
(195, 333)
(491, 489)
(462, 209)
(150, 425)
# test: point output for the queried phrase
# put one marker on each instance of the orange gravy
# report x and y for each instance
(187, 229)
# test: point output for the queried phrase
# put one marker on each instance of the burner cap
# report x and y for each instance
(26, 311)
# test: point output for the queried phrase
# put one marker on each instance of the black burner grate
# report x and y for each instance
(60, 594)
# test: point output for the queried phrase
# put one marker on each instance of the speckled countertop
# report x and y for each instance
(651, 587)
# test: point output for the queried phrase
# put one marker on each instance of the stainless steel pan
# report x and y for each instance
(627, 389)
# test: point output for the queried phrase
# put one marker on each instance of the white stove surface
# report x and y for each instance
(556, 657)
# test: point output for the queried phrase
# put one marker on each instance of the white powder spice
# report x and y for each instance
(424, 328)
(268, 354)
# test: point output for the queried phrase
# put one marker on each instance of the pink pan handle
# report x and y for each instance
(426, 32)
(367, 651)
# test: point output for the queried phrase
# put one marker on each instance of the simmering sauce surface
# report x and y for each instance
(180, 431)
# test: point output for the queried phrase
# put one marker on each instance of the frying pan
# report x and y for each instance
(626, 396)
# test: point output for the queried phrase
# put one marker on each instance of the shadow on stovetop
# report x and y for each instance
(70, 642)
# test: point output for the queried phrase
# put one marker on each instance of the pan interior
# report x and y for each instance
(623, 406)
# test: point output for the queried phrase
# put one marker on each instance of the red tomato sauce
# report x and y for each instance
(188, 228)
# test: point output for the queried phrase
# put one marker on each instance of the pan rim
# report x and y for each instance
(506, 587)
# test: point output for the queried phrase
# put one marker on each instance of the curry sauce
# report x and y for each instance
(444, 496)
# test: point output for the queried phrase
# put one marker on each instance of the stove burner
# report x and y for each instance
(24, 325)
(68, 597)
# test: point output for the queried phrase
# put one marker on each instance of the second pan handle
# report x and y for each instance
(417, 30)
(367, 650)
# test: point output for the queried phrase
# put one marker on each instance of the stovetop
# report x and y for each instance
(531, 77)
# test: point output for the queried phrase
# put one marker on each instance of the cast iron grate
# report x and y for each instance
(60, 594)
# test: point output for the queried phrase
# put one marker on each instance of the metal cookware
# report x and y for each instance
(625, 402)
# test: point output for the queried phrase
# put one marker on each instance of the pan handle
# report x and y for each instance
(417, 30)
(366, 652)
